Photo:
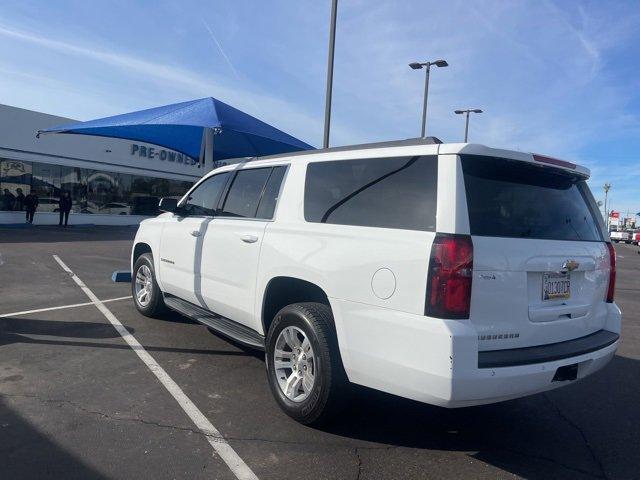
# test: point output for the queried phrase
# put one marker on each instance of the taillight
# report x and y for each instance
(612, 273)
(449, 279)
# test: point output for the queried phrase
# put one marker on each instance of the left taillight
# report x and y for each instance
(449, 279)
(612, 273)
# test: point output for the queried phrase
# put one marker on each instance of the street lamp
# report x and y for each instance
(327, 100)
(606, 188)
(427, 67)
(466, 123)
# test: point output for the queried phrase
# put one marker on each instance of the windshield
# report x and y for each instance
(508, 198)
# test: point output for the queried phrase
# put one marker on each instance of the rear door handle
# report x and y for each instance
(195, 233)
(248, 238)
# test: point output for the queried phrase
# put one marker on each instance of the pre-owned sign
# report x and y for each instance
(161, 154)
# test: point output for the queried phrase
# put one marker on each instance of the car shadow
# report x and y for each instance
(20, 330)
(28, 326)
(588, 429)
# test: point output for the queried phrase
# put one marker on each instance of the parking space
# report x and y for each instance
(77, 402)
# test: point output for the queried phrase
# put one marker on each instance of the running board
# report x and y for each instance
(215, 322)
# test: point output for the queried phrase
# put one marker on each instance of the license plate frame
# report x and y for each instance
(556, 286)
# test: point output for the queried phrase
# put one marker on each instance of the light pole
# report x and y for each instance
(606, 187)
(327, 103)
(427, 67)
(466, 122)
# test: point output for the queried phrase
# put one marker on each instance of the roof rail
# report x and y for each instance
(393, 143)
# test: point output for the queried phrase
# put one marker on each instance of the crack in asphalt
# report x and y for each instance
(582, 434)
(553, 461)
(188, 429)
(356, 450)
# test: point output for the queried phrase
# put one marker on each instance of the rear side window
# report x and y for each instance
(245, 192)
(508, 198)
(381, 192)
(269, 198)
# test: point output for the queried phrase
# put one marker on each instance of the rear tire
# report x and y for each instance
(307, 379)
(147, 295)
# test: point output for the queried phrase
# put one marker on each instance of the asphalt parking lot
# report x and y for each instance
(77, 402)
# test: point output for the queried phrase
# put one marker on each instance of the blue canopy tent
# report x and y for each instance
(206, 129)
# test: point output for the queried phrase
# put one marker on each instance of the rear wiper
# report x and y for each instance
(526, 233)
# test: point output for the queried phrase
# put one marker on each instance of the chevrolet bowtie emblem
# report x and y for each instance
(570, 265)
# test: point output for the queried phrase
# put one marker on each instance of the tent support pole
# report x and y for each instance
(201, 157)
(208, 149)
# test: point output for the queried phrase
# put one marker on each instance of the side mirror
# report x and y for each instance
(168, 205)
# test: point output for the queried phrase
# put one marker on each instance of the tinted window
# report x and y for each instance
(380, 192)
(203, 200)
(512, 199)
(244, 194)
(271, 191)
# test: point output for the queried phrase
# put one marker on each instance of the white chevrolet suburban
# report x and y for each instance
(452, 274)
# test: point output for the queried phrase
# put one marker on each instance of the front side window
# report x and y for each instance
(508, 198)
(245, 192)
(203, 200)
(395, 192)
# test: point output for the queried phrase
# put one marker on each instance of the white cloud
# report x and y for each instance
(280, 113)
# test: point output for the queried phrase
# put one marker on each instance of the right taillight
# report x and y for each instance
(612, 273)
(449, 279)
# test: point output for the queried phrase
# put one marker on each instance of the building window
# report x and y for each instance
(92, 191)
(15, 183)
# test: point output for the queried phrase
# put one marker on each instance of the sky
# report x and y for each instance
(559, 78)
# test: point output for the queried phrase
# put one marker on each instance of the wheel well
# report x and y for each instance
(283, 291)
(139, 249)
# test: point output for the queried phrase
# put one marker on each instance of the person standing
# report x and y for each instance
(31, 204)
(8, 200)
(65, 207)
(19, 200)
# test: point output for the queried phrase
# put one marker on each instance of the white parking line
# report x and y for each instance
(213, 436)
(61, 307)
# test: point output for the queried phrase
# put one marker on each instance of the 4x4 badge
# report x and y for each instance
(570, 265)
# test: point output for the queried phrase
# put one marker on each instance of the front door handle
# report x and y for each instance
(195, 233)
(248, 238)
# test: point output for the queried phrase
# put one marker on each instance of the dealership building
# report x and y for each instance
(111, 181)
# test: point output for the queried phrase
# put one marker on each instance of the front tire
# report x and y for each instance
(147, 295)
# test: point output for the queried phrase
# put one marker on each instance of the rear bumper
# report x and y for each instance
(489, 385)
(436, 361)
(547, 353)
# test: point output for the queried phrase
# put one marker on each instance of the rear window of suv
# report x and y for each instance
(508, 198)
(397, 192)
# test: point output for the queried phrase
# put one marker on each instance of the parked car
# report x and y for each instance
(47, 204)
(431, 271)
(115, 209)
(620, 236)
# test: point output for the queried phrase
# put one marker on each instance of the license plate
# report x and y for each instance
(556, 286)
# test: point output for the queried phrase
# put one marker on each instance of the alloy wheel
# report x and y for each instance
(294, 364)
